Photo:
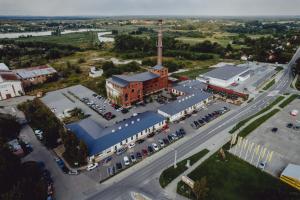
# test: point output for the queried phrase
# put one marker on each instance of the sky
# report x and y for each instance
(149, 7)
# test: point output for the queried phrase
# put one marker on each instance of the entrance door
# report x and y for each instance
(8, 96)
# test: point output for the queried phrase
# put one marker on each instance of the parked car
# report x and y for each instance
(150, 135)
(289, 125)
(170, 138)
(150, 149)
(140, 141)
(120, 151)
(131, 145)
(166, 141)
(92, 166)
(144, 152)
(161, 143)
(73, 172)
(132, 157)
(274, 130)
(126, 160)
(174, 136)
(119, 166)
(262, 165)
(155, 147)
(138, 155)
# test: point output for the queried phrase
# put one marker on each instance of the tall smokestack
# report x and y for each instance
(159, 44)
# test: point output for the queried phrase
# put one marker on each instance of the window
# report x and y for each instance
(131, 137)
(126, 97)
(121, 143)
(132, 90)
(126, 140)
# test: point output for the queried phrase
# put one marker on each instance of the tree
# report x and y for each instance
(200, 189)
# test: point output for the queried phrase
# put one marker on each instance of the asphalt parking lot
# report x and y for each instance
(284, 142)
(102, 171)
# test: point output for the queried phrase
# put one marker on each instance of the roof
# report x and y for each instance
(158, 67)
(3, 66)
(246, 73)
(35, 71)
(8, 75)
(184, 103)
(190, 86)
(226, 72)
(124, 80)
(99, 139)
(292, 171)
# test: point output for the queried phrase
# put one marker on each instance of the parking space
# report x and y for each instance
(280, 134)
(161, 139)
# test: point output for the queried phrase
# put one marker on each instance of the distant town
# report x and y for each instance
(147, 108)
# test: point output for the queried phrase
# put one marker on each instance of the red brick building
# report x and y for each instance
(127, 89)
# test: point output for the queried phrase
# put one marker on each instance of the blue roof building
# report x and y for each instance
(105, 140)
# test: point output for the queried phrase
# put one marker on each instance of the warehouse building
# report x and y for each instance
(103, 142)
(185, 105)
(225, 76)
(188, 87)
(291, 175)
(10, 85)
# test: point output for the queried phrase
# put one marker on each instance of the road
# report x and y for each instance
(145, 180)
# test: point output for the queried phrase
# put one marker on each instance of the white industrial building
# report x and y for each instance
(225, 76)
(95, 72)
(185, 105)
(10, 85)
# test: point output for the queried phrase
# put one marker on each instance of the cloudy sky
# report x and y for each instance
(149, 7)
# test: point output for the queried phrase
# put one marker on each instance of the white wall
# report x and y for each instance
(12, 88)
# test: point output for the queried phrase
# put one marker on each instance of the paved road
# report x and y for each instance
(145, 180)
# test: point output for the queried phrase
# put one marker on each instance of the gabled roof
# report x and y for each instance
(184, 102)
(8, 75)
(99, 139)
(124, 80)
(32, 72)
(3, 66)
(226, 72)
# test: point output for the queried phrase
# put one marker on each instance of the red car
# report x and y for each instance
(144, 152)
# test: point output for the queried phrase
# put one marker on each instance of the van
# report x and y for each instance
(126, 161)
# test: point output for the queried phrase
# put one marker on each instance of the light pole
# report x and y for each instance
(175, 159)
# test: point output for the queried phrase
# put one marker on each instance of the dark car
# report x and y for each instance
(140, 141)
(289, 125)
(182, 131)
(170, 138)
(166, 141)
(94, 95)
(119, 166)
(150, 149)
(150, 135)
(138, 155)
(274, 130)
(124, 110)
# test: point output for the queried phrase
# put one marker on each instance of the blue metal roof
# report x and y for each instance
(190, 86)
(119, 81)
(184, 103)
(158, 67)
(113, 135)
(124, 80)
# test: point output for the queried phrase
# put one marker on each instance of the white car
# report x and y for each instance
(131, 145)
(38, 132)
(161, 143)
(92, 166)
(155, 147)
(262, 165)
(126, 161)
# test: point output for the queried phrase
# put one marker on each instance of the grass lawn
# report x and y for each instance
(82, 39)
(270, 84)
(169, 174)
(235, 179)
(193, 73)
(243, 122)
(288, 100)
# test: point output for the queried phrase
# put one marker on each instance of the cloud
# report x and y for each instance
(149, 7)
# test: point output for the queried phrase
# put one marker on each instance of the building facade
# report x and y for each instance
(35, 75)
(125, 90)
(10, 85)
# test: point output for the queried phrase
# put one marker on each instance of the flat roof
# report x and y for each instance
(99, 139)
(184, 102)
(124, 80)
(32, 72)
(292, 170)
(226, 72)
(190, 86)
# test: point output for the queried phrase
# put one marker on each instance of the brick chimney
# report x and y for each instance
(159, 44)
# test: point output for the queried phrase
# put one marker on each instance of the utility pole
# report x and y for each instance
(175, 159)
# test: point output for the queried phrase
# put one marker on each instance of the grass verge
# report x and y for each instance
(288, 100)
(243, 122)
(169, 174)
(235, 179)
(270, 84)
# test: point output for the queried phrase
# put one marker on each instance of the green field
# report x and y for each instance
(169, 174)
(82, 39)
(235, 179)
(288, 100)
